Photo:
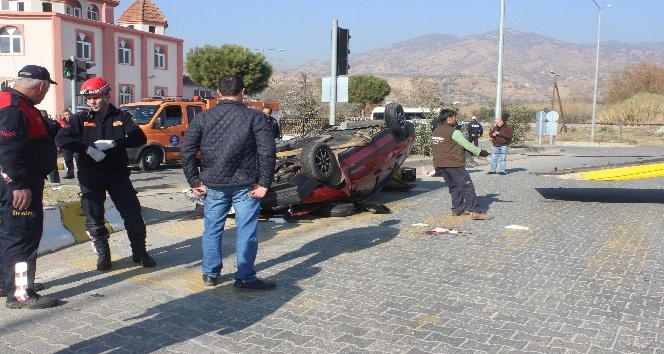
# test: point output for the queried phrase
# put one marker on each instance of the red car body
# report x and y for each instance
(350, 163)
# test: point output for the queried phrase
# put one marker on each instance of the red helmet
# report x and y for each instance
(95, 86)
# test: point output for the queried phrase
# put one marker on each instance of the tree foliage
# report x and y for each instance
(207, 64)
(367, 90)
(647, 77)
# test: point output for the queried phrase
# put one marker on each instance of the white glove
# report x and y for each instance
(104, 144)
(96, 155)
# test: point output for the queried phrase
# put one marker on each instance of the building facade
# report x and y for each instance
(135, 56)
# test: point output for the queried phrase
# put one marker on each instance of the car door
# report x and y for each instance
(171, 132)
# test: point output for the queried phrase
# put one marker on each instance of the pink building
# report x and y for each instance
(135, 56)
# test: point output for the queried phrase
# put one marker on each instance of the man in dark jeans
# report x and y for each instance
(238, 155)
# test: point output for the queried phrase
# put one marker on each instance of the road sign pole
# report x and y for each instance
(333, 75)
(73, 87)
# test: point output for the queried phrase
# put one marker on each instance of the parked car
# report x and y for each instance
(342, 165)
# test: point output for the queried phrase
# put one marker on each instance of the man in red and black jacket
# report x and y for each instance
(101, 137)
(27, 155)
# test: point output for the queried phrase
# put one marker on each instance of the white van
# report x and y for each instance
(378, 113)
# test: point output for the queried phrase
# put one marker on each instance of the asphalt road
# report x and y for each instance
(586, 276)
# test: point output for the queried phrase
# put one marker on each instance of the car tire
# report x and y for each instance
(318, 162)
(336, 210)
(149, 160)
(395, 120)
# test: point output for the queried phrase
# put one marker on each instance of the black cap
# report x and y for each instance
(36, 72)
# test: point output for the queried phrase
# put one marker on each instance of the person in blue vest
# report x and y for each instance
(27, 155)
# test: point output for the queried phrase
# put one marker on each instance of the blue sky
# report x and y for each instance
(302, 27)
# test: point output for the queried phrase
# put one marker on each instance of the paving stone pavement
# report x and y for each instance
(585, 277)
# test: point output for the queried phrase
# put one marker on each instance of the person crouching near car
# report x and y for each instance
(449, 146)
(238, 156)
(100, 136)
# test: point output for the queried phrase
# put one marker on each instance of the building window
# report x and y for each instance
(159, 59)
(77, 11)
(47, 7)
(83, 47)
(160, 92)
(20, 6)
(152, 29)
(93, 13)
(130, 26)
(126, 94)
(10, 40)
(124, 53)
(204, 93)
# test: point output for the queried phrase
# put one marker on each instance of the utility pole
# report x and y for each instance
(499, 76)
(333, 74)
(73, 86)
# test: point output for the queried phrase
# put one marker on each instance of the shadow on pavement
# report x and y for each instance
(604, 195)
(221, 309)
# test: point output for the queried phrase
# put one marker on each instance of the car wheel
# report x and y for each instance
(396, 121)
(336, 209)
(149, 160)
(319, 163)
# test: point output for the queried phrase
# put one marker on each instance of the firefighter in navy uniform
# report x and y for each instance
(100, 136)
(27, 155)
(475, 131)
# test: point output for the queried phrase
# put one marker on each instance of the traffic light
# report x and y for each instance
(68, 69)
(343, 37)
(82, 67)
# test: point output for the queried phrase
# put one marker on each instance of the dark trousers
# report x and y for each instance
(20, 233)
(94, 185)
(461, 188)
(69, 162)
(54, 176)
(474, 140)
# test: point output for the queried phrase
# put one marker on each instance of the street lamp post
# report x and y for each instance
(599, 24)
(553, 90)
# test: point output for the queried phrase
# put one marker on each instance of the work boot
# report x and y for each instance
(104, 262)
(209, 280)
(460, 213)
(258, 285)
(480, 216)
(144, 259)
(37, 287)
(34, 301)
(102, 249)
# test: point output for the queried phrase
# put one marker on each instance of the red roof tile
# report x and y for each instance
(143, 11)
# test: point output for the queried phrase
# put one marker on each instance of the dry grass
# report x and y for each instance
(633, 135)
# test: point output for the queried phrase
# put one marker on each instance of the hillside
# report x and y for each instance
(464, 69)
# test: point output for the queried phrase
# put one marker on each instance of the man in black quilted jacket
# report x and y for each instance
(238, 156)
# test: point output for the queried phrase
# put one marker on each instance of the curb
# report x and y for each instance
(64, 225)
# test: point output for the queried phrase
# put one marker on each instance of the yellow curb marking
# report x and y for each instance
(73, 218)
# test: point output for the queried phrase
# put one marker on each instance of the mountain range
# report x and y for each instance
(465, 68)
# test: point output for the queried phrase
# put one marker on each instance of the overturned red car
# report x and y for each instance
(336, 169)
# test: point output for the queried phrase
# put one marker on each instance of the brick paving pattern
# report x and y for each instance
(586, 277)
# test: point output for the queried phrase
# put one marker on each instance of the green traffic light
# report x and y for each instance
(68, 69)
